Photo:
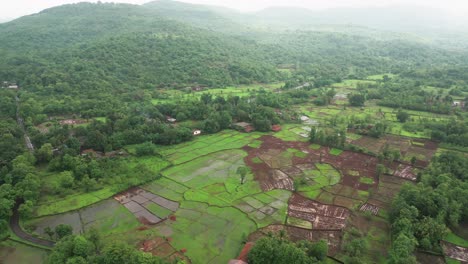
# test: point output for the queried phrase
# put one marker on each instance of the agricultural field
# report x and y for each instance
(197, 207)
(14, 252)
(201, 199)
(172, 96)
(55, 204)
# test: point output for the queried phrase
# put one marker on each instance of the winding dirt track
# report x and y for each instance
(16, 228)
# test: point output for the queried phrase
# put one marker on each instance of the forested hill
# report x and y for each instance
(78, 47)
(122, 44)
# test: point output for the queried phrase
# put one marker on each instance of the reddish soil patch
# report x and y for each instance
(269, 178)
(161, 248)
(388, 187)
(405, 172)
(178, 256)
(367, 207)
(245, 251)
(455, 252)
(322, 216)
(370, 143)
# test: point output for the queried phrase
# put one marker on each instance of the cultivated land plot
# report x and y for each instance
(206, 144)
(147, 207)
(13, 253)
(272, 172)
(321, 216)
(388, 187)
(209, 234)
(172, 95)
(108, 216)
(50, 205)
(161, 247)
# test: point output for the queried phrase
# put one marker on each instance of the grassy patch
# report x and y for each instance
(326, 197)
(314, 146)
(14, 252)
(74, 202)
(208, 144)
(451, 261)
(353, 136)
(292, 132)
(335, 151)
(255, 143)
(454, 239)
(366, 180)
(300, 154)
(299, 222)
(158, 210)
(213, 233)
(257, 160)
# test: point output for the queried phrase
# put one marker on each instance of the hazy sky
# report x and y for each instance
(16, 8)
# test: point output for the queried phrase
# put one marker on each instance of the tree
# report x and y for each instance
(402, 116)
(356, 99)
(49, 232)
(81, 246)
(145, 149)
(242, 171)
(318, 250)
(66, 179)
(380, 169)
(26, 209)
(44, 154)
(273, 250)
(402, 250)
(63, 230)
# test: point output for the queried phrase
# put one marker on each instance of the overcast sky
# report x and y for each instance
(17, 8)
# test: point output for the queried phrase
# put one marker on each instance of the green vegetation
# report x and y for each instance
(114, 96)
(279, 250)
(90, 247)
(299, 222)
(14, 252)
(335, 151)
(311, 182)
(454, 239)
(415, 216)
(366, 180)
(198, 228)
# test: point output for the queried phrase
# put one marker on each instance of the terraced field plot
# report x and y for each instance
(12, 253)
(108, 216)
(147, 207)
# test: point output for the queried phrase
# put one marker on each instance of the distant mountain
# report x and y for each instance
(121, 43)
(83, 47)
(207, 17)
(427, 25)
(397, 18)
(5, 19)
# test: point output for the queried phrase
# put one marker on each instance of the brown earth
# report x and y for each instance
(322, 216)
(455, 252)
(270, 152)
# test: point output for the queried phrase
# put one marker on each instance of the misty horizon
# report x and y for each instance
(454, 9)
